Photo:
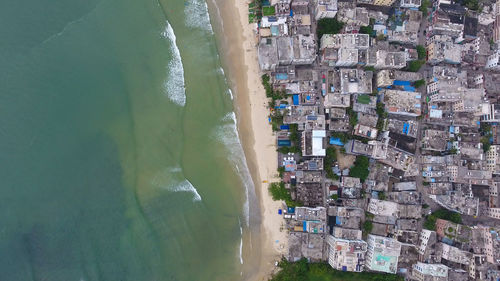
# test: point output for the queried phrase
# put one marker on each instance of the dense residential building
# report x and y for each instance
(388, 133)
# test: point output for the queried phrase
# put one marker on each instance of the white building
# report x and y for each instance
(313, 143)
(325, 9)
(410, 3)
(425, 271)
(343, 49)
(317, 143)
(390, 60)
(493, 159)
(494, 61)
(494, 213)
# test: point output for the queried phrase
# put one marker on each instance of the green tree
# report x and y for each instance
(419, 83)
(422, 52)
(472, 4)
(304, 271)
(380, 109)
(381, 195)
(430, 221)
(367, 30)
(486, 143)
(330, 159)
(414, 65)
(294, 133)
(424, 6)
(343, 137)
(328, 26)
(353, 116)
(360, 168)
(276, 120)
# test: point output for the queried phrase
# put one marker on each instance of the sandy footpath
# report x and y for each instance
(273, 240)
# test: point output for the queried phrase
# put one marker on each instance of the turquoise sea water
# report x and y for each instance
(111, 170)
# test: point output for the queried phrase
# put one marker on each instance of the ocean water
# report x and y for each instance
(118, 142)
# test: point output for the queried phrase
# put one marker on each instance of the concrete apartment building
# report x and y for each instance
(325, 9)
(382, 254)
(430, 272)
(346, 255)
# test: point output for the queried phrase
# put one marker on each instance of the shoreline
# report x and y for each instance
(239, 54)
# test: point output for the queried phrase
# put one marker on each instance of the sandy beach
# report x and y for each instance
(239, 54)
(273, 241)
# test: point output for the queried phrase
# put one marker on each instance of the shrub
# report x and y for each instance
(278, 191)
(281, 170)
(268, 11)
(304, 271)
(419, 83)
(367, 226)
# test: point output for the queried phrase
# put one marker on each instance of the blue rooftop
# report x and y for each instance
(336, 141)
(401, 83)
(281, 76)
(409, 88)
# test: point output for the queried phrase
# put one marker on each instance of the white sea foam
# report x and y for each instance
(221, 70)
(187, 186)
(230, 93)
(196, 13)
(174, 85)
(241, 242)
(227, 134)
(172, 179)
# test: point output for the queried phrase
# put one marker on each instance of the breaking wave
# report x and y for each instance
(230, 93)
(187, 186)
(227, 134)
(196, 13)
(173, 180)
(220, 71)
(174, 84)
(241, 242)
